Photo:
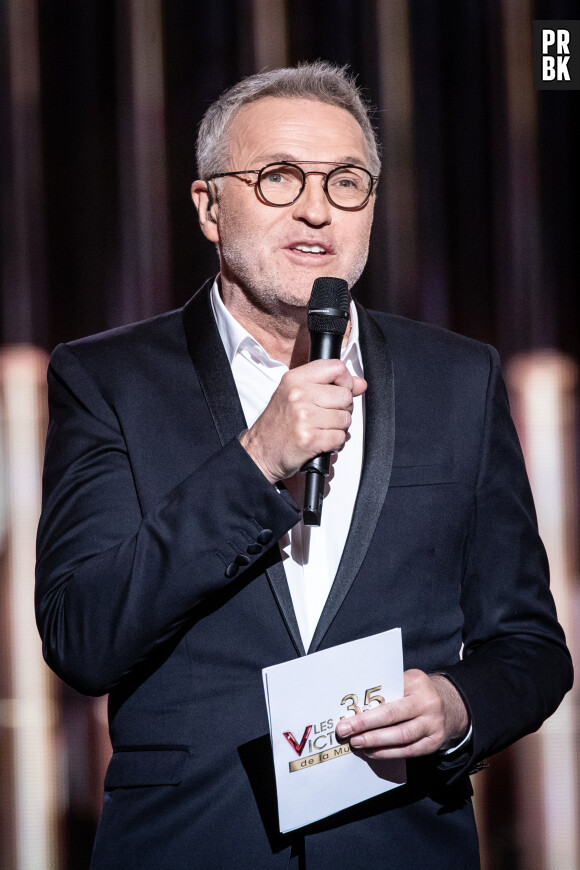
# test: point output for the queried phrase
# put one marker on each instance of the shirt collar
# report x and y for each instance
(235, 337)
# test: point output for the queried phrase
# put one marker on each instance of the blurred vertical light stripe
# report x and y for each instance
(524, 304)
(23, 253)
(397, 134)
(544, 403)
(27, 713)
(269, 33)
(144, 267)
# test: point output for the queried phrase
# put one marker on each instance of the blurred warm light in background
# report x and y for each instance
(29, 808)
(543, 389)
(527, 801)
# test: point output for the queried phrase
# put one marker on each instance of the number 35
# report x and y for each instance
(370, 695)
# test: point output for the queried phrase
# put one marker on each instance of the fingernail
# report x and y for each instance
(343, 729)
(357, 742)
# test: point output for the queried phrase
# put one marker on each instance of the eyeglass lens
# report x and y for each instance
(346, 187)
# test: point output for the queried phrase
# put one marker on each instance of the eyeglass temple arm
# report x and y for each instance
(210, 196)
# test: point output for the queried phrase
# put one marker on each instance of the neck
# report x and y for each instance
(283, 333)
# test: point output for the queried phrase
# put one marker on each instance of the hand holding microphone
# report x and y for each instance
(310, 412)
(327, 322)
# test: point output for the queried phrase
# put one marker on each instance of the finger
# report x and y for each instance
(334, 420)
(331, 396)
(313, 423)
(415, 736)
(359, 386)
(402, 734)
(324, 371)
(425, 746)
(343, 378)
(384, 715)
(330, 441)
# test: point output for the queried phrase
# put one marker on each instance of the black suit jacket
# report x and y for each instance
(149, 498)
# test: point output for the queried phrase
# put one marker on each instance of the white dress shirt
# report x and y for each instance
(310, 554)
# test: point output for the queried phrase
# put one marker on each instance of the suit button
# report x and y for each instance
(254, 549)
(231, 570)
(241, 559)
(265, 536)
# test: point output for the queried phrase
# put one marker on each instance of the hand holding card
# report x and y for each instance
(306, 699)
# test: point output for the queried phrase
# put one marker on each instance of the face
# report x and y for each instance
(269, 257)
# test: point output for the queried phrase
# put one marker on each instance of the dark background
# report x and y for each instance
(477, 219)
(478, 215)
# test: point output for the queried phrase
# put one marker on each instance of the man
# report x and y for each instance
(172, 562)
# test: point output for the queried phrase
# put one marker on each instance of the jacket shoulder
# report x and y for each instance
(125, 361)
(163, 327)
(398, 329)
(426, 347)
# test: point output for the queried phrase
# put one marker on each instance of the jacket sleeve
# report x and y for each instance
(515, 667)
(114, 583)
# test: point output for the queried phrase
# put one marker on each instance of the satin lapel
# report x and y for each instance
(378, 460)
(212, 366)
(279, 584)
(219, 389)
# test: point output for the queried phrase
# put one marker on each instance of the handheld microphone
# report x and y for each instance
(327, 321)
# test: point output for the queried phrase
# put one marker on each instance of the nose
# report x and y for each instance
(312, 206)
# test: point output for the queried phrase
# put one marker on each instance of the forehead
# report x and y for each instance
(280, 128)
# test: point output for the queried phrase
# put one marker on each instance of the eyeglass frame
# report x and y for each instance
(297, 164)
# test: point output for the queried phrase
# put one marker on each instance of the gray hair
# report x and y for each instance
(319, 80)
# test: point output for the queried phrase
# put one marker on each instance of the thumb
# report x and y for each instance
(359, 386)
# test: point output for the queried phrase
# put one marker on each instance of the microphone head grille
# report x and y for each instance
(328, 306)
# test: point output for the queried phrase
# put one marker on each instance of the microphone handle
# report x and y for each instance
(323, 345)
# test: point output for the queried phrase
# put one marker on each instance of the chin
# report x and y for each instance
(298, 292)
(293, 293)
(298, 300)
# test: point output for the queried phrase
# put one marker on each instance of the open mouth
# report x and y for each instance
(309, 249)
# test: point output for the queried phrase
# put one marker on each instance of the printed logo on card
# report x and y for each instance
(320, 740)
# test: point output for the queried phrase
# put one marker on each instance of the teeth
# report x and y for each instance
(310, 249)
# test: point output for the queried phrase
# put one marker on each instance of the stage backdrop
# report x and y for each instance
(477, 228)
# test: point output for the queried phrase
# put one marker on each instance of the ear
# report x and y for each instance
(207, 208)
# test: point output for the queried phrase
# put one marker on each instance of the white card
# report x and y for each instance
(306, 697)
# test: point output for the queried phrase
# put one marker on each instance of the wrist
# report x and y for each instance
(455, 714)
(252, 448)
